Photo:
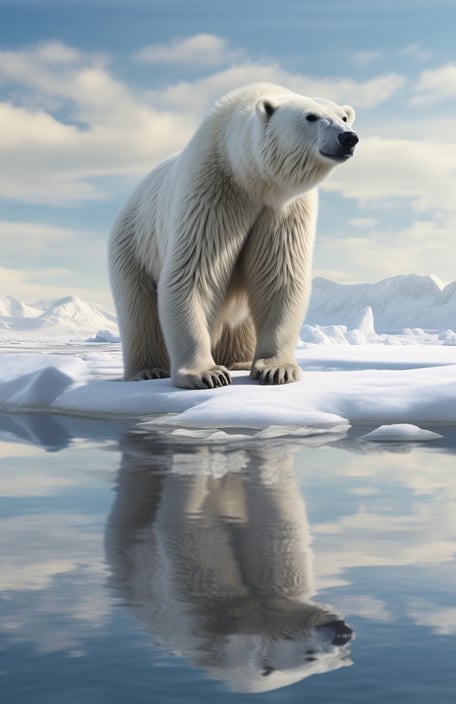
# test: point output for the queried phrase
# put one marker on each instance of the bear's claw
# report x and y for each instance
(212, 378)
(282, 374)
(148, 374)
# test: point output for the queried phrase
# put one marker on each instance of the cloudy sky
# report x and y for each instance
(93, 93)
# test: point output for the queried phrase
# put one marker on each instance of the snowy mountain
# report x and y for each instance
(76, 314)
(12, 308)
(389, 306)
(397, 303)
(59, 316)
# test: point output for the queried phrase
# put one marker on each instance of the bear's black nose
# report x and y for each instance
(348, 139)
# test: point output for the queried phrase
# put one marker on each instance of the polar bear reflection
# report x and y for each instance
(211, 551)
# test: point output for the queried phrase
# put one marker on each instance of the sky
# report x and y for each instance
(94, 93)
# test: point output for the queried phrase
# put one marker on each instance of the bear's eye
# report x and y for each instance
(269, 108)
(312, 117)
(345, 118)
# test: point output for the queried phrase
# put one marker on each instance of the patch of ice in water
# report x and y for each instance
(400, 432)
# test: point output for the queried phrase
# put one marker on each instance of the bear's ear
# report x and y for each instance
(350, 113)
(265, 108)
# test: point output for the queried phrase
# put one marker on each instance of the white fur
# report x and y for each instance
(210, 259)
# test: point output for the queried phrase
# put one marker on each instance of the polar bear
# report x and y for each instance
(210, 259)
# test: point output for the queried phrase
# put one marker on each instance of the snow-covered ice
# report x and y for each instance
(62, 356)
(341, 384)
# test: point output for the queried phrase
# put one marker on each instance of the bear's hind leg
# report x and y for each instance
(143, 346)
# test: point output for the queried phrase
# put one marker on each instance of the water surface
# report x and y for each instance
(139, 569)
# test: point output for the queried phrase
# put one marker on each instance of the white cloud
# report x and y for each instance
(54, 52)
(47, 161)
(416, 52)
(364, 223)
(45, 53)
(33, 236)
(47, 158)
(385, 253)
(435, 85)
(71, 124)
(325, 265)
(385, 173)
(199, 94)
(422, 172)
(32, 284)
(363, 58)
(201, 49)
(19, 125)
(27, 245)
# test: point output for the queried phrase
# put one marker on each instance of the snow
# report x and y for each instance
(62, 355)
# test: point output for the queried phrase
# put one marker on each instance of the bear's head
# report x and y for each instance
(299, 139)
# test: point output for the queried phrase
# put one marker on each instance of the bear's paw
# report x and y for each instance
(270, 371)
(148, 374)
(211, 378)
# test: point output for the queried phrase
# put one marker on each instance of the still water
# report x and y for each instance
(135, 568)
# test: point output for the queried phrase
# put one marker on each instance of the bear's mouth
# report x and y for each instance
(340, 157)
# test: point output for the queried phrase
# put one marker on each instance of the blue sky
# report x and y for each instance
(94, 93)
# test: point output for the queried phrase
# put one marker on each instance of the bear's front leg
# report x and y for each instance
(277, 264)
(207, 234)
(185, 316)
(277, 315)
(274, 361)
